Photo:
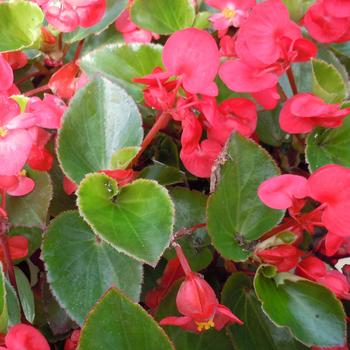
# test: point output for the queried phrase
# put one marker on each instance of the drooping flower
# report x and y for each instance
(198, 304)
(305, 111)
(20, 185)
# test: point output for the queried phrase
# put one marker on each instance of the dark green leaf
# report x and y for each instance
(164, 174)
(14, 311)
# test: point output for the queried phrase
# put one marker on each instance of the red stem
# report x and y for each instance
(37, 90)
(291, 79)
(79, 48)
(183, 260)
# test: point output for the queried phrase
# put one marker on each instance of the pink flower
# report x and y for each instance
(280, 192)
(15, 139)
(233, 12)
(193, 56)
(22, 186)
(16, 59)
(6, 75)
(328, 21)
(25, 337)
(72, 342)
(303, 112)
(197, 301)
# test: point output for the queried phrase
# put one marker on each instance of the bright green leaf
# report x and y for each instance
(20, 25)
(136, 219)
(312, 312)
(117, 323)
(236, 216)
(163, 16)
(101, 119)
(123, 157)
(122, 63)
(297, 8)
(3, 302)
(87, 268)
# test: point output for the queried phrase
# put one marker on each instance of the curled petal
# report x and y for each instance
(223, 316)
(25, 185)
(184, 322)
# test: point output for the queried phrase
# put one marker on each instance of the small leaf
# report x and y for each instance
(136, 219)
(20, 25)
(87, 268)
(3, 303)
(257, 332)
(329, 146)
(117, 323)
(327, 82)
(297, 8)
(113, 10)
(14, 311)
(236, 216)
(122, 63)
(31, 210)
(100, 120)
(163, 16)
(312, 312)
(123, 157)
(164, 174)
(25, 294)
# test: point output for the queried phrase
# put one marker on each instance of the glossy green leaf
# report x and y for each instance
(20, 25)
(3, 302)
(164, 174)
(80, 267)
(257, 332)
(236, 216)
(136, 219)
(122, 63)
(329, 146)
(101, 119)
(312, 312)
(117, 323)
(113, 10)
(184, 340)
(123, 157)
(25, 294)
(163, 16)
(327, 82)
(31, 210)
(13, 308)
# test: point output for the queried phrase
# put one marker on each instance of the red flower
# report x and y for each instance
(285, 257)
(72, 342)
(303, 112)
(25, 337)
(123, 177)
(197, 301)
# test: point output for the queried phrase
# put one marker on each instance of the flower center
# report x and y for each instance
(205, 325)
(3, 132)
(228, 13)
(23, 172)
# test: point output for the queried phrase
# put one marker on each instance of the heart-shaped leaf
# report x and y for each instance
(163, 16)
(117, 323)
(100, 120)
(122, 63)
(136, 219)
(87, 267)
(312, 312)
(236, 216)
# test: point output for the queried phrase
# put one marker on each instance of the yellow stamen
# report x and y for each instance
(23, 172)
(3, 132)
(228, 13)
(205, 325)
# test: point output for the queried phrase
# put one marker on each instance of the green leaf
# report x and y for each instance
(3, 302)
(164, 174)
(329, 146)
(20, 25)
(297, 8)
(122, 63)
(14, 311)
(117, 323)
(123, 157)
(31, 210)
(184, 340)
(327, 82)
(236, 216)
(202, 20)
(25, 294)
(163, 16)
(100, 120)
(312, 312)
(88, 267)
(257, 332)
(113, 10)
(136, 219)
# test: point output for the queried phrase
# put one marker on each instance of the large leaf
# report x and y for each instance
(136, 219)
(312, 312)
(80, 267)
(101, 119)
(31, 210)
(3, 302)
(20, 24)
(163, 16)
(117, 323)
(257, 332)
(327, 82)
(329, 146)
(114, 8)
(236, 216)
(122, 63)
